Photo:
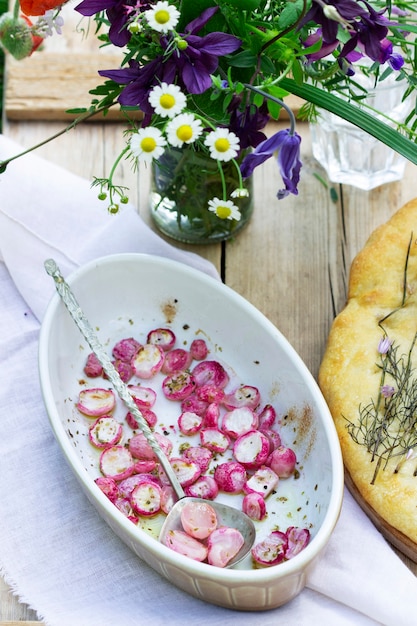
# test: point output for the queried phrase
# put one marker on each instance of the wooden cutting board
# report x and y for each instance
(391, 534)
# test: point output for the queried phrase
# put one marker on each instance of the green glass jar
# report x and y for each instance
(184, 180)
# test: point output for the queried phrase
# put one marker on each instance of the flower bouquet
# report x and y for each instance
(208, 75)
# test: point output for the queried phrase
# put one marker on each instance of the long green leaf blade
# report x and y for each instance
(346, 110)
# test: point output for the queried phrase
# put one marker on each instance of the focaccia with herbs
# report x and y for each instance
(369, 372)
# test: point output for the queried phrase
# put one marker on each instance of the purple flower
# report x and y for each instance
(198, 57)
(118, 12)
(394, 59)
(191, 66)
(387, 391)
(320, 11)
(247, 124)
(326, 48)
(368, 33)
(288, 147)
(384, 345)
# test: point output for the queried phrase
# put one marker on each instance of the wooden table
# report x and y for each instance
(292, 261)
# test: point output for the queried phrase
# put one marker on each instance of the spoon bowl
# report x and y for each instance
(226, 515)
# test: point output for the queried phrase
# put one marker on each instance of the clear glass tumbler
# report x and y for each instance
(351, 156)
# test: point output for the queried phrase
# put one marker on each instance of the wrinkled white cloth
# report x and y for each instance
(55, 551)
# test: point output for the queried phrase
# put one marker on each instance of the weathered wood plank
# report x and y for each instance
(47, 85)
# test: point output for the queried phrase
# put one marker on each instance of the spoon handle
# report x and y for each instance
(90, 336)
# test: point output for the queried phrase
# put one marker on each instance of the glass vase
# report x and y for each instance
(350, 155)
(184, 180)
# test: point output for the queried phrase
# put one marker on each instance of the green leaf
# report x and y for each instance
(355, 115)
(297, 72)
(290, 14)
(243, 59)
(190, 9)
(77, 111)
(244, 5)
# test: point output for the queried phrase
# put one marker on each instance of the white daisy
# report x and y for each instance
(147, 144)
(224, 209)
(223, 144)
(240, 192)
(167, 100)
(184, 128)
(163, 17)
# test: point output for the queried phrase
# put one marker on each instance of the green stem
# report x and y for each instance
(286, 30)
(278, 101)
(82, 118)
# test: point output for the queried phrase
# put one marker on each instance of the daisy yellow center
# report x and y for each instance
(167, 101)
(148, 144)
(184, 132)
(222, 144)
(223, 212)
(162, 16)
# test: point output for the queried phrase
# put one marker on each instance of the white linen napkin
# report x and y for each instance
(55, 551)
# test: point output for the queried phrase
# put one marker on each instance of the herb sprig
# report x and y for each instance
(388, 425)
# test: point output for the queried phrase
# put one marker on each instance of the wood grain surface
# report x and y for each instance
(292, 261)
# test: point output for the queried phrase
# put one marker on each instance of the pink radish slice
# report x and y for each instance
(189, 423)
(109, 487)
(254, 506)
(96, 402)
(267, 417)
(182, 543)
(204, 487)
(124, 370)
(198, 519)
(230, 477)
(146, 498)
(144, 467)
(141, 449)
(148, 415)
(178, 386)
(199, 349)
(193, 403)
(187, 472)
(214, 439)
(212, 416)
(245, 395)
(116, 462)
(271, 550)
(210, 372)
(263, 481)
(125, 349)
(283, 461)
(148, 361)
(251, 449)
(145, 397)
(106, 431)
(238, 421)
(223, 545)
(298, 539)
(162, 337)
(202, 456)
(127, 485)
(168, 498)
(93, 367)
(273, 436)
(210, 393)
(177, 360)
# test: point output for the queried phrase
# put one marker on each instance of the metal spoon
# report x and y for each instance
(226, 515)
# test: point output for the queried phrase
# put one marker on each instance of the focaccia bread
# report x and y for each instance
(369, 372)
